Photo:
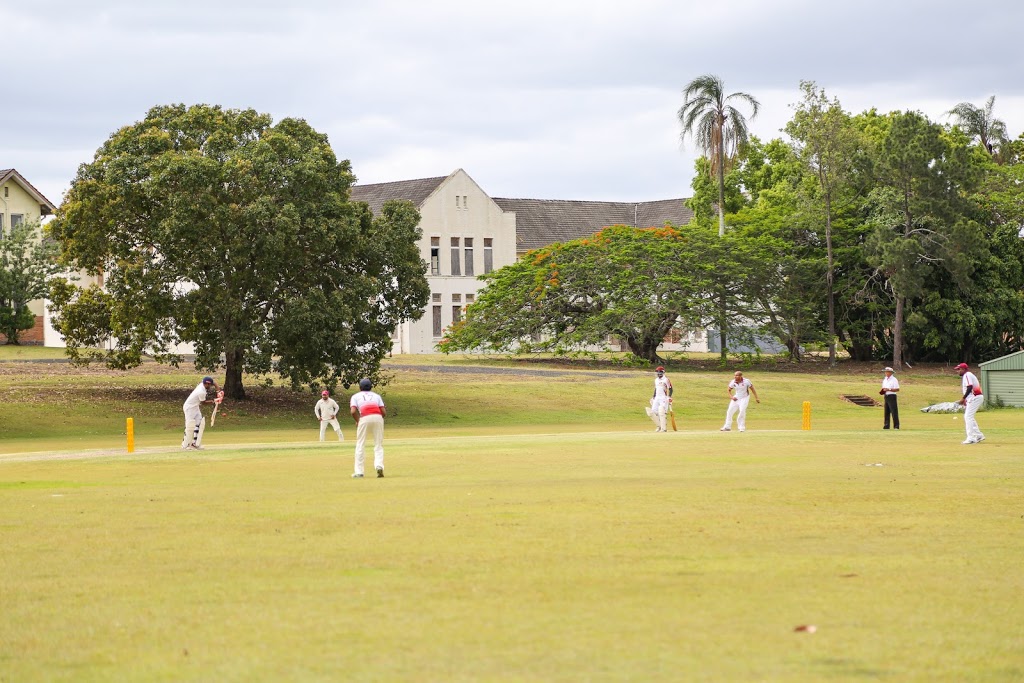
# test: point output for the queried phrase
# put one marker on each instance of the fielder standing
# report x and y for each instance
(195, 423)
(367, 408)
(326, 411)
(739, 391)
(890, 386)
(662, 398)
(971, 401)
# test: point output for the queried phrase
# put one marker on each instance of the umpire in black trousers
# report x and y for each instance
(890, 387)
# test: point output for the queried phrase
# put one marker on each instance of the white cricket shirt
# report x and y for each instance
(326, 409)
(742, 388)
(661, 387)
(197, 396)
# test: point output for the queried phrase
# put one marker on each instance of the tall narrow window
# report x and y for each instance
(1, 225)
(457, 202)
(435, 255)
(465, 202)
(488, 254)
(455, 257)
(456, 314)
(469, 255)
(437, 321)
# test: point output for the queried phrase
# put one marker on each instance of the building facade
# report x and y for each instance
(20, 202)
(467, 233)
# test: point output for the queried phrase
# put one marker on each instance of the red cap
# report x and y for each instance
(660, 369)
(962, 366)
(325, 393)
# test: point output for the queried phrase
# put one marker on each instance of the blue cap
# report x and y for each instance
(208, 379)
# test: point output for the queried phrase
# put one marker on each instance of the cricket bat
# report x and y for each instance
(672, 417)
(213, 417)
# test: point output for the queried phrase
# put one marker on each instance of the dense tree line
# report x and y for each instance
(888, 235)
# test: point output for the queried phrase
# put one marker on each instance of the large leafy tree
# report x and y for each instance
(985, 318)
(222, 229)
(921, 213)
(827, 142)
(776, 256)
(27, 262)
(633, 284)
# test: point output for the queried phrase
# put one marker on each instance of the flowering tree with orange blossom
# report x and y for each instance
(624, 283)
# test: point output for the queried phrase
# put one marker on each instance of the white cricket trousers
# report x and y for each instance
(737, 408)
(970, 423)
(195, 424)
(334, 424)
(658, 410)
(372, 425)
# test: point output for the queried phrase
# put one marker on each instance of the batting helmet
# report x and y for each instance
(365, 384)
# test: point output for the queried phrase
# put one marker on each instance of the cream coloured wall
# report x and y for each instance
(14, 200)
(459, 209)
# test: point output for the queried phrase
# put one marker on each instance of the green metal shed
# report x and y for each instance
(1002, 380)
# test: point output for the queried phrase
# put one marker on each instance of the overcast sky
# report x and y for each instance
(555, 99)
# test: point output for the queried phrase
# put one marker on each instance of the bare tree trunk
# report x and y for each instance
(721, 193)
(897, 335)
(830, 278)
(233, 388)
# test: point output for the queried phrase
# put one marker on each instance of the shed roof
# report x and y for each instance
(1012, 361)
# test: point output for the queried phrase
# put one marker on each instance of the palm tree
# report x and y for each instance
(718, 128)
(979, 123)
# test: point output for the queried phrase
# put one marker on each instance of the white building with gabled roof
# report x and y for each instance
(467, 233)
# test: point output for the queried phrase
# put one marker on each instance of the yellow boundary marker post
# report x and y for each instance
(131, 435)
(807, 416)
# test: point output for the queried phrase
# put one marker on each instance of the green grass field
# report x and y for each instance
(530, 528)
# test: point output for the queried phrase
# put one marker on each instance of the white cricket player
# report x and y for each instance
(326, 411)
(661, 400)
(739, 391)
(195, 423)
(971, 401)
(367, 409)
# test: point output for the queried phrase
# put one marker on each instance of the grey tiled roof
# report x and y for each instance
(540, 222)
(416, 191)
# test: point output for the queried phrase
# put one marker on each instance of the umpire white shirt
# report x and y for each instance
(889, 383)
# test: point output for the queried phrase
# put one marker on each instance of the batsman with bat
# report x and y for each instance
(662, 400)
(195, 423)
